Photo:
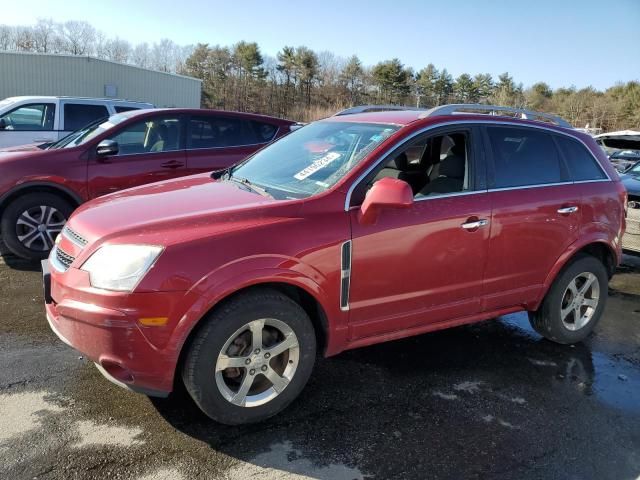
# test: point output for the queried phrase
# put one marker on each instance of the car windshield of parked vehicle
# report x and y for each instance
(90, 131)
(634, 170)
(312, 159)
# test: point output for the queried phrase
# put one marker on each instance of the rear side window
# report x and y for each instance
(124, 109)
(581, 163)
(220, 132)
(34, 116)
(77, 115)
(523, 156)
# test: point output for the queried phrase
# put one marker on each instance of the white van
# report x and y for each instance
(28, 120)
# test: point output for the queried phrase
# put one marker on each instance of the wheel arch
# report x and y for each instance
(34, 187)
(299, 294)
(599, 248)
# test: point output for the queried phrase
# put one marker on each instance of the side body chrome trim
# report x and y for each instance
(471, 123)
(345, 274)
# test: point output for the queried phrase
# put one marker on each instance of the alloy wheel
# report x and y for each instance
(580, 301)
(38, 227)
(257, 362)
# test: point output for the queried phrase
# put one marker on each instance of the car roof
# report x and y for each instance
(205, 111)
(61, 97)
(404, 118)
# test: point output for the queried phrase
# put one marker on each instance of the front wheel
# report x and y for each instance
(31, 223)
(575, 302)
(251, 358)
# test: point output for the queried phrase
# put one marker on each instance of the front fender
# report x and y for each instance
(259, 270)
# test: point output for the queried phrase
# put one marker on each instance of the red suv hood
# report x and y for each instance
(169, 211)
(22, 148)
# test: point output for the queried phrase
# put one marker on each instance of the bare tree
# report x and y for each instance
(44, 33)
(141, 55)
(79, 37)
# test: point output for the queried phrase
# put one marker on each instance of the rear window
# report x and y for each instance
(581, 163)
(77, 115)
(220, 132)
(523, 156)
(124, 109)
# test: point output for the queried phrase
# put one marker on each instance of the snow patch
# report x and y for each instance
(164, 474)
(23, 412)
(543, 363)
(91, 433)
(446, 396)
(283, 462)
(469, 387)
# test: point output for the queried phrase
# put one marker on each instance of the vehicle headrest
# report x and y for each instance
(400, 162)
(452, 167)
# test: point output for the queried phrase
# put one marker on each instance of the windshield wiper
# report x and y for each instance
(246, 182)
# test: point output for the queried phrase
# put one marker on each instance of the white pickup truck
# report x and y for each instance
(37, 120)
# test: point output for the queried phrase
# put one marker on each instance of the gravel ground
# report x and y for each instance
(492, 400)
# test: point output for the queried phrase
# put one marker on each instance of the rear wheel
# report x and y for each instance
(575, 302)
(251, 358)
(31, 223)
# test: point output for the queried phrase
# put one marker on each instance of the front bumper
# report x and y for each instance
(105, 327)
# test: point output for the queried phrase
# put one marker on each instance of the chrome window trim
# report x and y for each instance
(471, 123)
(231, 146)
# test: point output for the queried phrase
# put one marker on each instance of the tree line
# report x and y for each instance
(304, 85)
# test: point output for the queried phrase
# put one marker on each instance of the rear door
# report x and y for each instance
(536, 213)
(424, 264)
(216, 142)
(150, 150)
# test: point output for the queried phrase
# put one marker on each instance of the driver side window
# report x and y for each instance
(433, 165)
(31, 117)
(149, 136)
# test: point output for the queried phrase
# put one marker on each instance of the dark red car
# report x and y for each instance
(353, 230)
(40, 187)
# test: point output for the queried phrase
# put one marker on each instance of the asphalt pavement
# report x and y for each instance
(492, 400)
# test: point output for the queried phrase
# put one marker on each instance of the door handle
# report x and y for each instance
(474, 225)
(173, 164)
(567, 210)
(43, 140)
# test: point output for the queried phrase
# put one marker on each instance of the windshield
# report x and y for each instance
(88, 132)
(311, 159)
(635, 170)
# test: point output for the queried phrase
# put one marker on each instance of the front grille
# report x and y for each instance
(64, 258)
(75, 237)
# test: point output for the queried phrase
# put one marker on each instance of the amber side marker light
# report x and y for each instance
(153, 321)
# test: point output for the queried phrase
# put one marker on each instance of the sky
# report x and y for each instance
(561, 42)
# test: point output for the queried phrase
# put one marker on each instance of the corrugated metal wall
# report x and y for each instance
(66, 75)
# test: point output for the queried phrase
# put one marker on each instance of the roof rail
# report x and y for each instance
(373, 108)
(470, 108)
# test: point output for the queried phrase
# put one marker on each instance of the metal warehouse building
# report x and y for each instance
(76, 76)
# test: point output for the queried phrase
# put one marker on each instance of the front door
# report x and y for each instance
(424, 264)
(149, 151)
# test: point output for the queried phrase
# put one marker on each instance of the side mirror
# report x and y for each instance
(385, 193)
(106, 148)
(3, 124)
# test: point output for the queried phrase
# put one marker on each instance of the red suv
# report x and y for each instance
(40, 187)
(353, 230)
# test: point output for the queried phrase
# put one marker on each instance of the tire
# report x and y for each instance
(20, 220)
(556, 317)
(217, 391)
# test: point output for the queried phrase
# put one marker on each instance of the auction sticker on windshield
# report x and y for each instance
(319, 164)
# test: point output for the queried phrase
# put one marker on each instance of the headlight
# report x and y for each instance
(120, 267)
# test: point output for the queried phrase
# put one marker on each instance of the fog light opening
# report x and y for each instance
(117, 371)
